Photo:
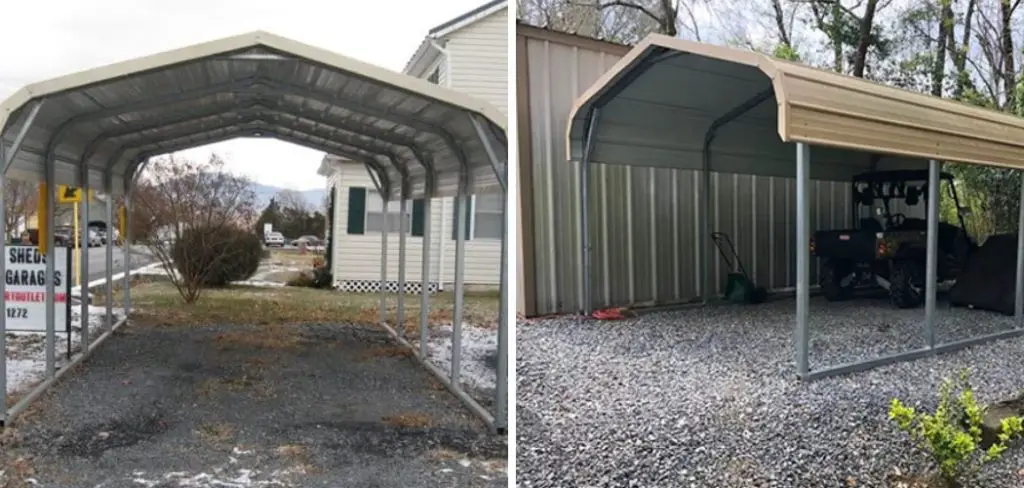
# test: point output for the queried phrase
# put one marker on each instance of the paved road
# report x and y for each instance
(98, 261)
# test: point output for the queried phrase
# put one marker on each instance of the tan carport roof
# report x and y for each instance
(656, 105)
(254, 85)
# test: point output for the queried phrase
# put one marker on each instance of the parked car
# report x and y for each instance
(273, 239)
(307, 240)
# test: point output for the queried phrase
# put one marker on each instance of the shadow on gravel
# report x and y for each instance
(306, 406)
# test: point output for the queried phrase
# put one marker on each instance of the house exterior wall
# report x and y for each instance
(643, 221)
(357, 257)
(479, 59)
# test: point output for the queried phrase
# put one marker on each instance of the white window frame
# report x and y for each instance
(393, 208)
(472, 221)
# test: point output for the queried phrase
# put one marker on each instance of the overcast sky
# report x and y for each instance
(48, 38)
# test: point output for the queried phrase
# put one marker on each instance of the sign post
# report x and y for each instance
(76, 248)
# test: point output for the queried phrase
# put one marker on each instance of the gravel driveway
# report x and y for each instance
(213, 406)
(708, 397)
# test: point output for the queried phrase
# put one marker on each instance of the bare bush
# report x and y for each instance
(180, 196)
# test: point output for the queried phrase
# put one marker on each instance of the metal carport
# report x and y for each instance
(671, 103)
(97, 128)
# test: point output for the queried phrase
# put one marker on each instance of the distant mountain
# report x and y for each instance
(264, 193)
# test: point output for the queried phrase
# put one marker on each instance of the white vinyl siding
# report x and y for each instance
(479, 64)
(357, 257)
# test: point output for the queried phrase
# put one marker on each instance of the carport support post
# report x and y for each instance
(588, 146)
(51, 259)
(1018, 303)
(125, 243)
(402, 230)
(932, 255)
(83, 265)
(109, 272)
(803, 257)
(425, 272)
(461, 202)
(384, 261)
(3, 302)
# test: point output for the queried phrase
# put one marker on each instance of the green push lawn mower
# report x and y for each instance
(739, 288)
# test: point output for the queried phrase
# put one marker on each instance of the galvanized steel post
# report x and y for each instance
(403, 229)
(803, 257)
(384, 260)
(126, 240)
(83, 265)
(425, 273)
(1018, 303)
(51, 259)
(588, 146)
(932, 254)
(3, 301)
(461, 202)
(109, 272)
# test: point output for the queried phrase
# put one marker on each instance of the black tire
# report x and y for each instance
(906, 284)
(830, 278)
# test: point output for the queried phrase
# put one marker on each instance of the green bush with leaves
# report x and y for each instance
(953, 434)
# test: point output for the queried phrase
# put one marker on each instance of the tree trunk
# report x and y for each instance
(864, 38)
(1009, 74)
(939, 66)
(963, 78)
(780, 21)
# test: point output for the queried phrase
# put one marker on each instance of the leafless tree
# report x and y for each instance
(20, 201)
(291, 199)
(181, 195)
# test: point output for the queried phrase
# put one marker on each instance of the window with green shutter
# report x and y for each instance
(418, 218)
(356, 210)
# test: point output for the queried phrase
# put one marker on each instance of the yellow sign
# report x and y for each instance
(70, 194)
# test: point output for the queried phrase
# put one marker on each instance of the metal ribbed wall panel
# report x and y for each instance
(643, 221)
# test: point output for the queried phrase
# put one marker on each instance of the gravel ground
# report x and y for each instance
(708, 397)
(198, 407)
(479, 360)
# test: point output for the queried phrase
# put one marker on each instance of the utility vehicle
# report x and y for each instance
(887, 248)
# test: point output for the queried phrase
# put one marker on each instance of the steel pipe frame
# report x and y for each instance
(51, 259)
(1018, 301)
(83, 265)
(932, 253)
(501, 386)
(283, 89)
(803, 258)
(461, 202)
(705, 208)
(446, 137)
(6, 158)
(109, 272)
(588, 147)
(403, 229)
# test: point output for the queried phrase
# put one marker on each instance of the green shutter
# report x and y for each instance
(417, 218)
(356, 210)
(469, 217)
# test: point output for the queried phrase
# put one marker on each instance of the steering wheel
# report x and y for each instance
(897, 220)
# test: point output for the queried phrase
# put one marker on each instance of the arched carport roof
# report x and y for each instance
(668, 100)
(253, 85)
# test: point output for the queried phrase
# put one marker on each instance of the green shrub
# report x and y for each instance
(218, 255)
(952, 435)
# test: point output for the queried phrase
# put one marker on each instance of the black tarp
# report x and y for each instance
(987, 281)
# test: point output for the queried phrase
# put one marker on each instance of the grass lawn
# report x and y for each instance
(157, 302)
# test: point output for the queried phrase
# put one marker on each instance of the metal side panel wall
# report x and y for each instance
(643, 221)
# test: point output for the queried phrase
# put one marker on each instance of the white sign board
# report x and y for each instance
(26, 288)
(268, 228)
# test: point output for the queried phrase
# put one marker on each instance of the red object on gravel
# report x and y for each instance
(608, 314)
